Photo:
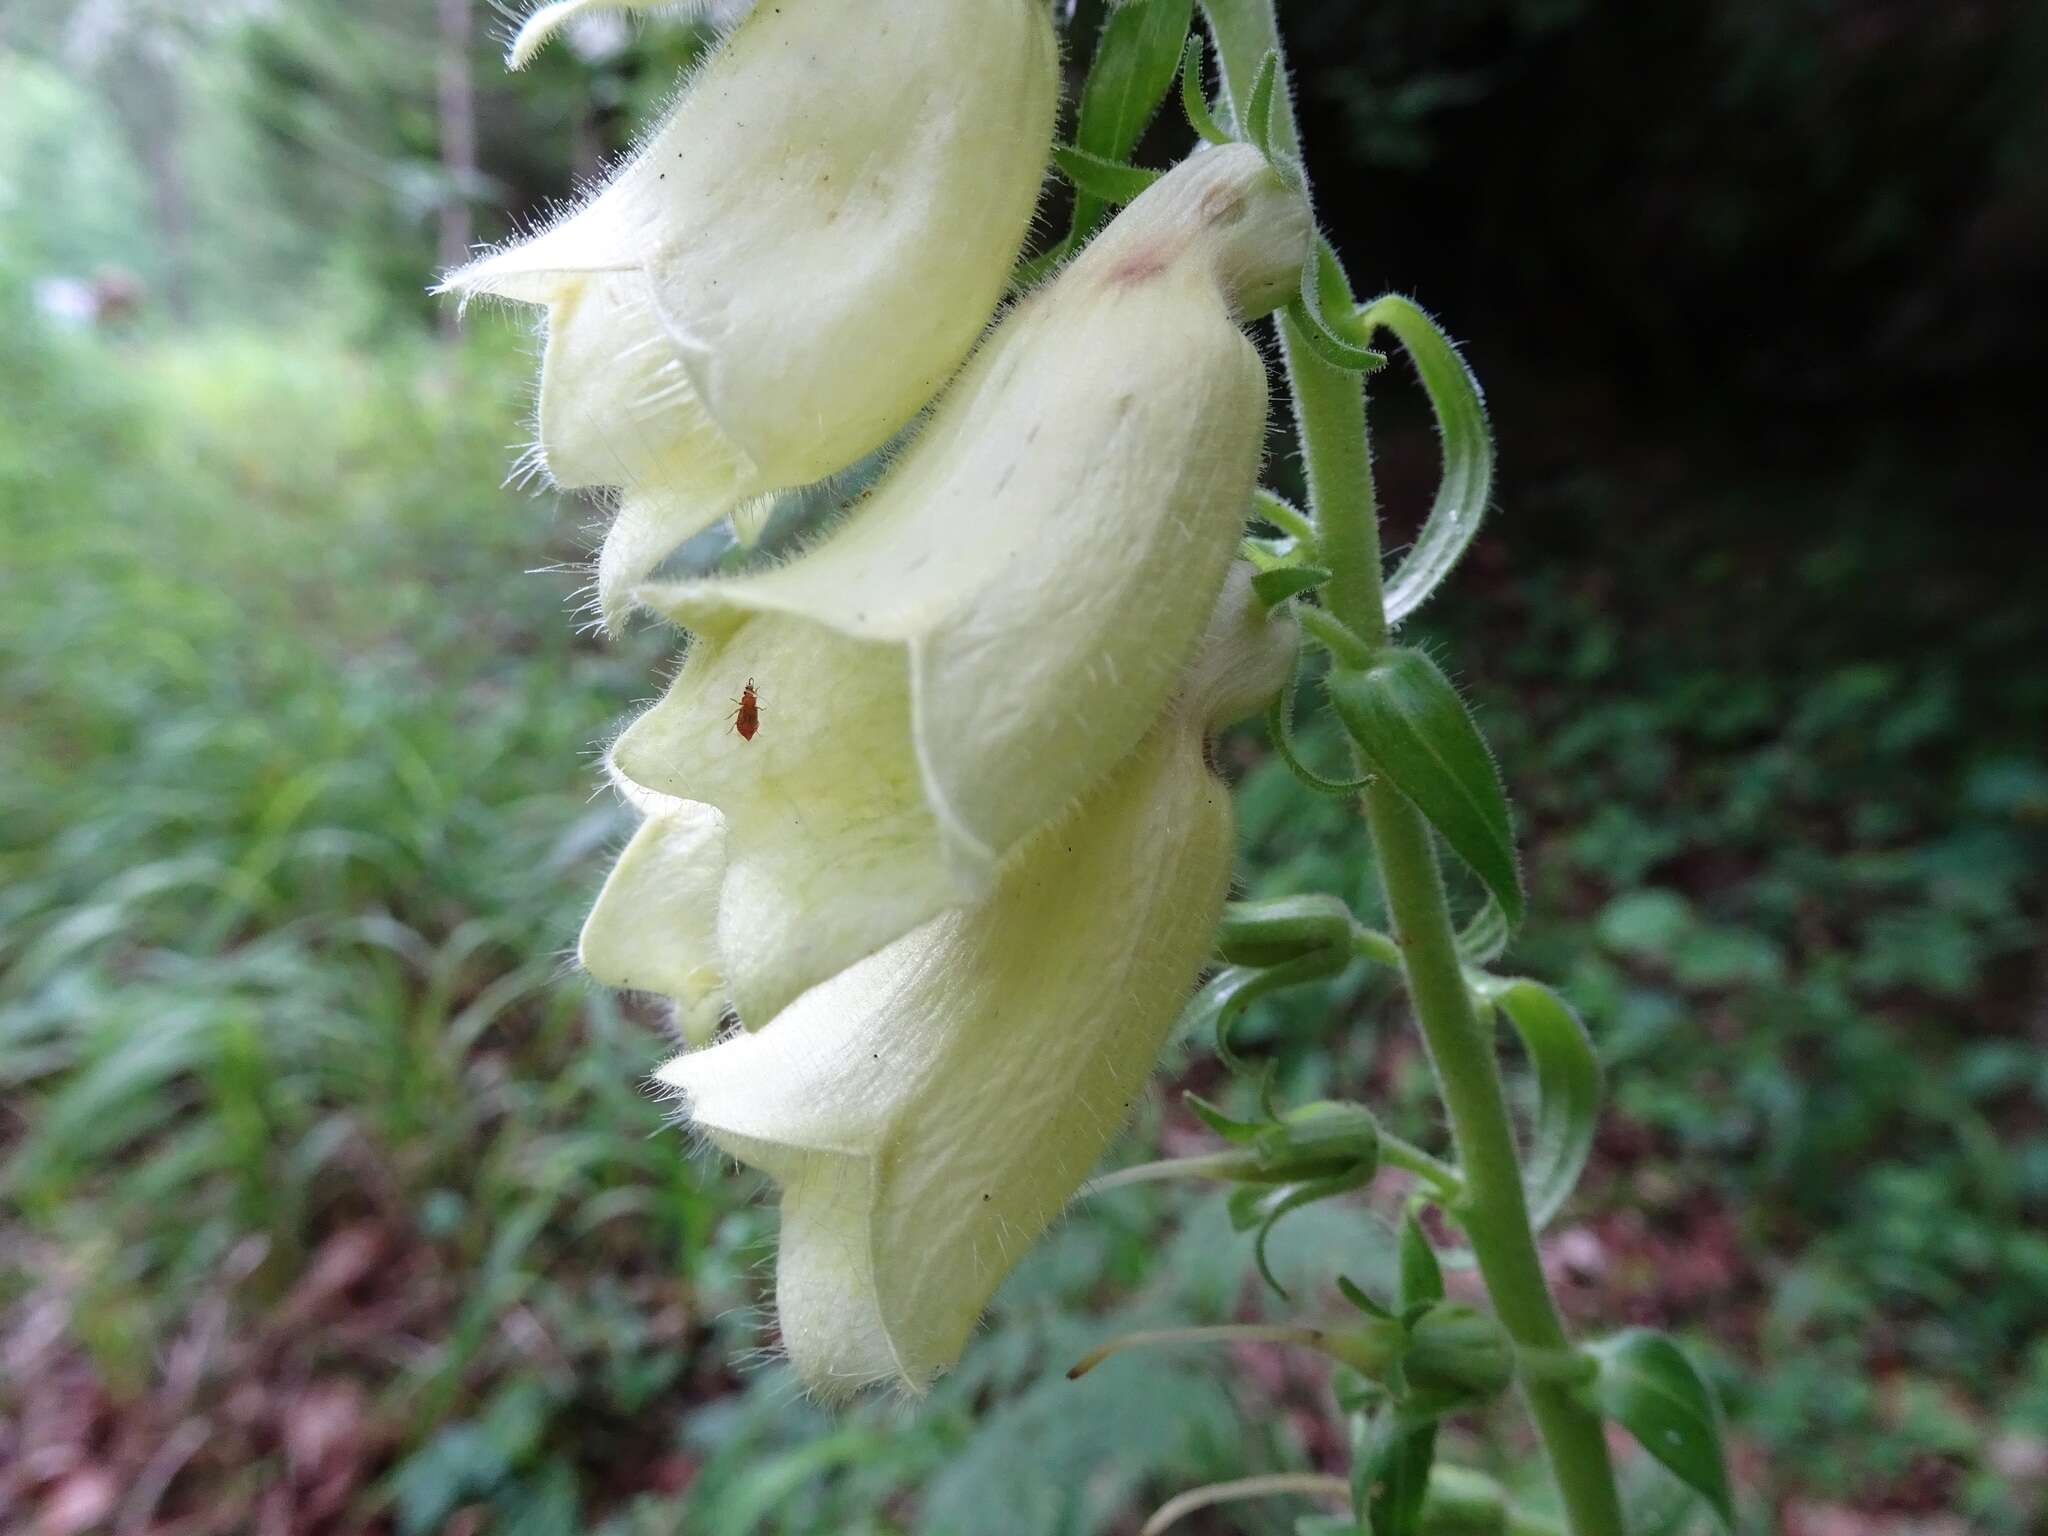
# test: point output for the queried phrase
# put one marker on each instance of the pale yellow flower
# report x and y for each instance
(930, 1110)
(791, 264)
(980, 644)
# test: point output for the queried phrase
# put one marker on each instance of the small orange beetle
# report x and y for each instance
(746, 715)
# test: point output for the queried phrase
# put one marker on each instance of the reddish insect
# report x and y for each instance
(746, 714)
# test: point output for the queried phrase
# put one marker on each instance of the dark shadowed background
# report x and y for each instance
(332, 1201)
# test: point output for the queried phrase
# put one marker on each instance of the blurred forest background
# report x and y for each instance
(329, 1197)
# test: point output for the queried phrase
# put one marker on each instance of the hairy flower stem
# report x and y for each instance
(1329, 409)
(1494, 1214)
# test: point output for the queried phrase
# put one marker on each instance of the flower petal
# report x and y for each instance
(795, 260)
(930, 1110)
(1047, 551)
(831, 851)
(654, 927)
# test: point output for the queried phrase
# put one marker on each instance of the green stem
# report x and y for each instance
(1438, 1174)
(1329, 410)
(1494, 1213)
(1329, 404)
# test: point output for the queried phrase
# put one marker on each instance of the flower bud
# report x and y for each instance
(1224, 212)
(1003, 620)
(791, 265)
(1277, 929)
(1457, 1354)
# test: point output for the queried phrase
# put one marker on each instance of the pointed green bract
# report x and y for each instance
(1134, 66)
(1193, 101)
(1467, 441)
(1567, 1091)
(1409, 725)
(1422, 1280)
(1320, 311)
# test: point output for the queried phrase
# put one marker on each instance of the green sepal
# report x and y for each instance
(1219, 1122)
(1466, 485)
(1410, 726)
(1391, 1454)
(1288, 518)
(1328, 1139)
(1351, 1292)
(1648, 1385)
(1568, 1089)
(1276, 586)
(1278, 928)
(1270, 554)
(1321, 312)
(1235, 988)
(1422, 1278)
(1194, 101)
(1108, 181)
(1136, 58)
(1328, 345)
(1262, 1208)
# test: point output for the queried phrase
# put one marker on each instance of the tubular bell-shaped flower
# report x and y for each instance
(791, 265)
(1001, 623)
(930, 1110)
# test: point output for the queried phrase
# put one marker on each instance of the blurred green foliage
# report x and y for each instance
(306, 1109)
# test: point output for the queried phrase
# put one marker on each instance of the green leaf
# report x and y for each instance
(1648, 1386)
(1108, 181)
(1390, 1461)
(1274, 587)
(1194, 101)
(1136, 59)
(1467, 439)
(1411, 726)
(1258, 115)
(1327, 344)
(1567, 1090)
(1325, 295)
